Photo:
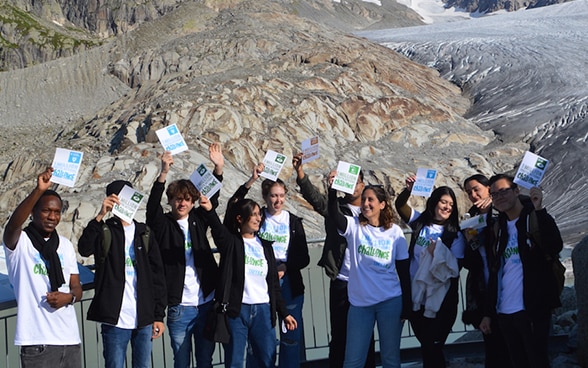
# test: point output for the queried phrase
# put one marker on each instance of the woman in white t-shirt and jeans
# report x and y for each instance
(248, 269)
(379, 281)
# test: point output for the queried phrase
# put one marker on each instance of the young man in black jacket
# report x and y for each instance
(129, 298)
(191, 272)
(522, 287)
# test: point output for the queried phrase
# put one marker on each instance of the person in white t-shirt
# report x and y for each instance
(379, 281)
(129, 300)
(248, 285)
(286, 233)
(43, 270)
(437, 225)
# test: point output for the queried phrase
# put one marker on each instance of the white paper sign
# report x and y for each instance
(476, 222)
(531, 170)
(310, 149)
(171, 139)
(66, 165)
(425, 182)
(130, 200)
(206, 183)
(273, 162)
(346, 177)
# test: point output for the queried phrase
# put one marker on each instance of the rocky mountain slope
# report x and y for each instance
(254, 77)
(33, 32)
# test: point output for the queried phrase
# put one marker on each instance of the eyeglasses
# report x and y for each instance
(500, 193)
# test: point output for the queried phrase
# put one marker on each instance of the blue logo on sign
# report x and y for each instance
(431, 174)
(172, 130)
(74, 157)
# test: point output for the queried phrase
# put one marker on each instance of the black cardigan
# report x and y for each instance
(171, 242)
(298, 256)
(232, 264)
(110, 276)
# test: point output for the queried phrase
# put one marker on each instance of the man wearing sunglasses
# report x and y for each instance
(523, 289)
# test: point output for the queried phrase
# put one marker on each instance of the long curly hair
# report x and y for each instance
(387, 216)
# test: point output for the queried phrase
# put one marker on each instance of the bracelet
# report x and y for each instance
(73, 299)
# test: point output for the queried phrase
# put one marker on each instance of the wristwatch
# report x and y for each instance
(73, 299)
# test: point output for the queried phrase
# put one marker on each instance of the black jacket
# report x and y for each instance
(171, 243)
(540, 294)
(298, 256)
(232, 264)
(335, 245)
(110, 275)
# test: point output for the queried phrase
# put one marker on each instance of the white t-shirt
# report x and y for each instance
(428, 233)
(192, 294)
(346, 265)
(128, 310)
(510, 296)
(277, 230)
(37, 323)
(255, 290)
(373, 252)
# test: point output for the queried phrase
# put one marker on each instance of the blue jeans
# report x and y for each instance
(185, 323)
(290, 342)
(253, 326)
(51, 356)
(115, 341)
(360, 326)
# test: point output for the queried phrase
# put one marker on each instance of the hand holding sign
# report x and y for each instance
(425, 182)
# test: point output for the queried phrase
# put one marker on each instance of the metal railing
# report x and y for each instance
(315, 315)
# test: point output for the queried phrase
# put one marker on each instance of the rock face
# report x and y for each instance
(580, 261)
(33, 32)
(254, 77)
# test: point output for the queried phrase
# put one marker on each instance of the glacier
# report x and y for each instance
(526, 74)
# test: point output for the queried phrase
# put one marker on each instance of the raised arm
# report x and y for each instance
(335, 212)
(401, 202)
(24, 209)
(215, 154)
(242, 191)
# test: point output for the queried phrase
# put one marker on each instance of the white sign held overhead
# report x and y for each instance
(206, 183)
(425, 182)
(273, 163)
(130, 200)
(346, 177)
(171, 139)
(531, 170)
(310, 149)
(66, 165)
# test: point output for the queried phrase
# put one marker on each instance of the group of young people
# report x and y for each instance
(377, 277)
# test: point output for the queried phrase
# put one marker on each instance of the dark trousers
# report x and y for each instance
(527, 339)
(495, 347)
(339, 307)
(432, 332)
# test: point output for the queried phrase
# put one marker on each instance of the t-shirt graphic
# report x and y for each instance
(256, 269)
(277, 230)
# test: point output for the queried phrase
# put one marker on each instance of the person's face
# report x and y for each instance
(371, 206)
(47, 214)
(476, 191)
(504, 197)
(444, 208)
(275, 199)
(251, 225)
(181, 207)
